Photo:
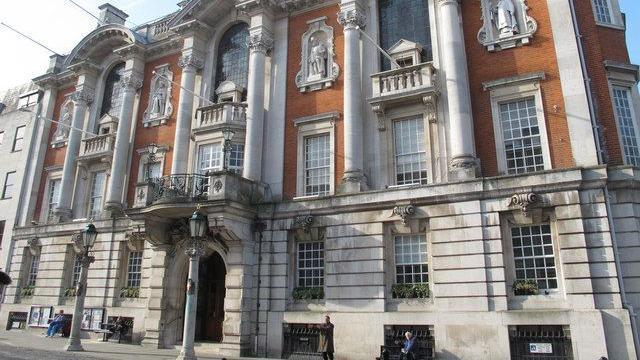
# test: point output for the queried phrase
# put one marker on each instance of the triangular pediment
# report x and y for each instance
(404, 45)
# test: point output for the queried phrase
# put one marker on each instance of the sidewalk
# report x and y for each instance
(93, 348)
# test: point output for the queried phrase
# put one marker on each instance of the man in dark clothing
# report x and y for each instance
(325, 345)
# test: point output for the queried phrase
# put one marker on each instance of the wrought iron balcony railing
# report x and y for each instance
(181, 187)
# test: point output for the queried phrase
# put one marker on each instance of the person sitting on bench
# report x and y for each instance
(56, 324)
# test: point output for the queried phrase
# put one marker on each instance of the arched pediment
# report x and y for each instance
(101, 42)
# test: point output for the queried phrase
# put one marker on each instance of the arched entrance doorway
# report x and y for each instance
(211, 292)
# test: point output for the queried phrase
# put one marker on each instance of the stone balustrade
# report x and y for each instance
(404, 80)
(220, 115)
(97, 145)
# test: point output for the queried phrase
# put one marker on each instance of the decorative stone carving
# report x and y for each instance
(318, 68)
(131, 82)
(191, 62)
(524, 201)
(430, 102)
(159, 108)
(61, 135)
(405, 212)
(83, 96)
(303, 222)
(379, 110)
(352, 16)
(194, 248)
(34, 246)
(506, 24)
(135, 240)
(260, 41)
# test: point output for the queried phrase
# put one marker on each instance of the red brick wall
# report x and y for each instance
(312, 103)
(161, 135)
(53, 156)
(484, 66)
(600, 44)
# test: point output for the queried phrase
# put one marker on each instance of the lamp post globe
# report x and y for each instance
(89, 236)
(197, 224)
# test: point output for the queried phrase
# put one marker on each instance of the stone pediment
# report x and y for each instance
(403, 46)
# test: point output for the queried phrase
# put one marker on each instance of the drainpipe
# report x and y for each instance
(607, 197)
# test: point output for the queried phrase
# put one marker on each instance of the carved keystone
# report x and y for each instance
(405, 212)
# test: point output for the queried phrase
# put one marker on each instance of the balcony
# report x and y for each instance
(97, 148)
(403, 85)
(221, 115)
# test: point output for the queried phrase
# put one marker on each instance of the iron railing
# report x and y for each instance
(300, 342)
(540, 343)
(180, 187)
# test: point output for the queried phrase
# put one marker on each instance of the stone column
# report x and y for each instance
(131, 82)
(82, 97)
(352, 18)
(195, 249)
(463, 163)
(260, 42)
(190, 62)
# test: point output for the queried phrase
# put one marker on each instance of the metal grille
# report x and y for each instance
(626, 126)
(134, 269)
(317, 165)
(300, 342)
(311, 264)
(411, 157)
(181, 187)
(540, 342)
(394, 339)
(533, 255)
(603, 14)
(522, 142)
(411, 259)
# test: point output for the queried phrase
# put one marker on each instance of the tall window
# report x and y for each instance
(54, 195)
(410, 153)
(406, 19)
(134, 269)
(603, 12)
(233, 56)
(626, 125)
(411, 259)
(310, 256)
(317, 165)
(112, 99)
(1, 231)
(9, 184)
(18, 141)
(77, 267)
(28, 100)
(33, 270)
(236, 158)
(98, 180)
(521, 133)
(533, 255)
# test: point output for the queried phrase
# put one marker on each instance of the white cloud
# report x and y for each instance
(59, 25)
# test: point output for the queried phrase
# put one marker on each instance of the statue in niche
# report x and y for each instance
(505, 18)
(318, 59)
(159, 100)
(62, 129)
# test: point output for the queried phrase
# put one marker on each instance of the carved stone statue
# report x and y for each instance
(158, 102)
(507, 23)
(318, 59)
(159, 108)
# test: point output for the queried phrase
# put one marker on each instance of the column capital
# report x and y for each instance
(194, 248)
(464, 163)
(192, 61)
(83, 96)
(132, 81)
(260, 40)
(448, 2)
(352, 15)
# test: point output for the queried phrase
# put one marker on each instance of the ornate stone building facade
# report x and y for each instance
(478, 184)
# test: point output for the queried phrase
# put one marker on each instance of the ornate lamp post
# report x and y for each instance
(227, 134)
(87, 239)
(195, 249)
(152, 149)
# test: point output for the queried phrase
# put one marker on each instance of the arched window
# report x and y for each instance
(407, 19)
(112, 100)
(233, 56)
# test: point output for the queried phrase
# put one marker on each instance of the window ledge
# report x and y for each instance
(317, 305)
(409, 305)
(553, 300)
(611, 25)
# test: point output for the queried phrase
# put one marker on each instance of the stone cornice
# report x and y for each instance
(252, 7)
(84, 67)
(192, 27)
(130, 51)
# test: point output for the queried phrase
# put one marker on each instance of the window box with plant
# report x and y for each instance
(130, 292)
(308, 293)
(410, 291)
(70, 292)
(524, 287)
(27, 291)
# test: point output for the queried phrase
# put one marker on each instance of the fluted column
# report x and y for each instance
(130, 82)
(260, 41)
(190, 62)
(352, 18)
(81, 98)
(463, 155)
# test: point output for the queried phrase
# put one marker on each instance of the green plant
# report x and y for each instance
(27, 291)
(130, 292)
(308, 293)
(410, 291)
(525, 287)
(70, 292)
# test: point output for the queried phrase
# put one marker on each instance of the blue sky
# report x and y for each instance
(632, 9)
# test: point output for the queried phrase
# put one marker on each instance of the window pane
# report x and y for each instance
(317, 165)
(411, 259)
(33, 270)
(233, 56)
(54, 195)
(97, 190)
(410, 154)
(521, 133)
(134, 269)
(77, 267)
(602, 11)
(626, 125)
(210, 158)
(310, 260)
(112, 100)
(9, 183)
(18, 142)
(532, 260)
